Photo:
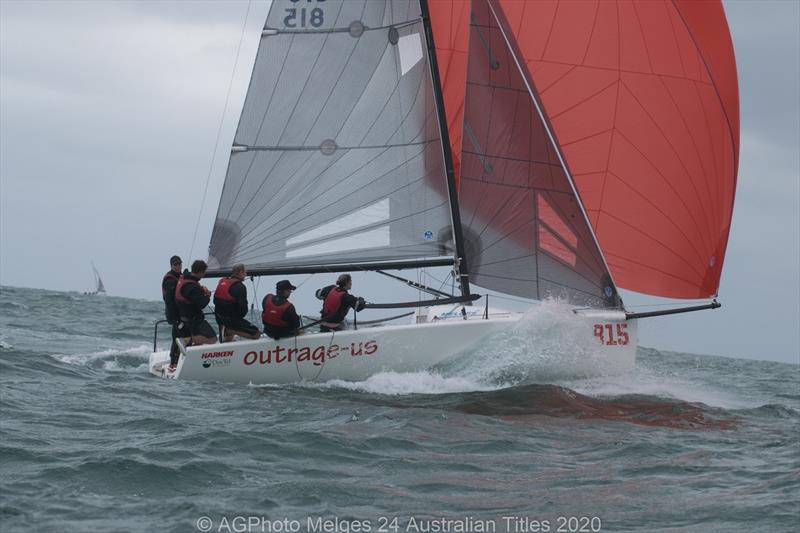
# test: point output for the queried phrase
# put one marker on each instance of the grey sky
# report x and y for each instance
(109, 113)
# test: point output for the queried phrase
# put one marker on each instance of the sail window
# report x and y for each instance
(367, 216)
(376, 238)
(550, 244)
(410, 49)
(555, 236)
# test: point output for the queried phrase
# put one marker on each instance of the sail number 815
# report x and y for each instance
(302, 17)
(611, 336)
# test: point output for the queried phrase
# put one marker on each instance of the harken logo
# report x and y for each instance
(216, 355)
(219, 358)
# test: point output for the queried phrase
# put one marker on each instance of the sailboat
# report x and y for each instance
(538, 149)
(100, 289)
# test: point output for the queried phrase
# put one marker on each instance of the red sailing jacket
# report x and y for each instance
(333, 301)
(273, 314)
(179, 297)
(223, 291)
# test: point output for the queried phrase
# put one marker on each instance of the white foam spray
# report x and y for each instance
(398, 383)
(114, 359)
(547, 344)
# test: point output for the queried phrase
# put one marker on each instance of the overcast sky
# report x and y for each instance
(110, 112)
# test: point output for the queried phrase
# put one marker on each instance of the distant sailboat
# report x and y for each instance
(100, 289)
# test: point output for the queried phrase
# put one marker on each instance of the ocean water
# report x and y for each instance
(517, 438)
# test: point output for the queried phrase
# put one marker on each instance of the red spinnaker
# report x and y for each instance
(642, 97)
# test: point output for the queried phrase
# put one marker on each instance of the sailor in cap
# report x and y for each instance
(279, 316)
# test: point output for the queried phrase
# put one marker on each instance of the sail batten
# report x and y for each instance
(316, 148)
(353, 28)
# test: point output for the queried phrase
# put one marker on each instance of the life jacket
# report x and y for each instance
(273, 313)
(223, 291)
(167, 276)
(179, 297)
(333, 301)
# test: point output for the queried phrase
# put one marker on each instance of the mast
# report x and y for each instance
(461, 265)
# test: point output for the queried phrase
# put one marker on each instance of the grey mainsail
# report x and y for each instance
(337, 157)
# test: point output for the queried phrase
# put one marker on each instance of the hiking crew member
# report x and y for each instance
(337, 303)
(168, 284)
(279, 316)
(192, 298)
(230, 307)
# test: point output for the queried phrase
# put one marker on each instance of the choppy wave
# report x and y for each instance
(4, 344)
(530, 422)
(111, 359)
(401, 383)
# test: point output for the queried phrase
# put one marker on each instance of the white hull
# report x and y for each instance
(355, 355)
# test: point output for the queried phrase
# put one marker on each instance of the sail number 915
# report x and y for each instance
(302, 16)
(611, 336)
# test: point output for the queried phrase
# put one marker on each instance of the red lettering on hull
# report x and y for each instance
(607, 335)
(317, 355)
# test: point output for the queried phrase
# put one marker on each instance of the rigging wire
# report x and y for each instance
(493, 295)
(255, 297)
(219, 130)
